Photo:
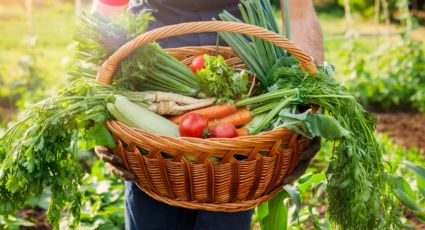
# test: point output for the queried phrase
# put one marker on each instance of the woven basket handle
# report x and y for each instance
(108, 68)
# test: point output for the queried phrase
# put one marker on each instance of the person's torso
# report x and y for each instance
(168, 12)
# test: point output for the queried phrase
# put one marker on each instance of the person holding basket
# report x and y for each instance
(142, 211)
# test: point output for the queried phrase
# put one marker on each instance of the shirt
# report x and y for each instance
(168, 12)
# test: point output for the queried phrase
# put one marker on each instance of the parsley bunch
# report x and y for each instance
(41, 149)
(218, 80)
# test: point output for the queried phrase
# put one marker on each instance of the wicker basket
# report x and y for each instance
(251, 168)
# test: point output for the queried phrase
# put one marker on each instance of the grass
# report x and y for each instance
(51, 30)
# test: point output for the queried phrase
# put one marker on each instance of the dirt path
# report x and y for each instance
(406, 128)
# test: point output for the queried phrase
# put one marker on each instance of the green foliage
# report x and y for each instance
(364, 7)
(218, 80)
(420, 176)
(355, 186)
(392, 76)
(311, 188)
(102, 203)
(310, 125)
(356, 189)
(259, 55)
(98, 38)
(41, 150)
(28, 84)
(274, 213)
(14, 223)
(401, 188)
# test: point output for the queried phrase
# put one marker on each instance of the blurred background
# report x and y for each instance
(376, 46)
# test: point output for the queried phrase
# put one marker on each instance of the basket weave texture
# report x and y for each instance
(249, 170)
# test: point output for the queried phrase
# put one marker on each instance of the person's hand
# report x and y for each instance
(114, 163)
(305, 159)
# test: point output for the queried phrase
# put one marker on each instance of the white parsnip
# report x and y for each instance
(165, 103)
(158, 96)
(172, 108)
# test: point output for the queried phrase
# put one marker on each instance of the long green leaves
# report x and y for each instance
(259, 55)
(147, 68)
(420, 176)
(274, 213)
(401, 188)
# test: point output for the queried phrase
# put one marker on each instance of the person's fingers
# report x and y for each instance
(312, 149)
(113, 163)
(121, 172)
(104, 154)
(297, 173)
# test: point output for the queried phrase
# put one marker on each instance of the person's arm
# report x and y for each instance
(305, 28)
(109, 8)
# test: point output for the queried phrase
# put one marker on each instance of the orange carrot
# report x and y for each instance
(211, 112)
(242, 132)
(241, 117)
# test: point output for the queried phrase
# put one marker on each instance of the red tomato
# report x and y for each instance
(193, 125)
(197, 63)
(224, 130)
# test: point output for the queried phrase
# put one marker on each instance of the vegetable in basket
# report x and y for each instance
(197, 63)
(139, 117)
(193, 125)
(211, 112)
(218, 79)
(149, 68)
(224, 130)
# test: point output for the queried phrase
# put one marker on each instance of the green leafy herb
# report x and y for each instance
(310, 125)
(41, 149)
(217, 79)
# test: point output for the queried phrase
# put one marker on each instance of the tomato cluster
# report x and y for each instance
(196, 125)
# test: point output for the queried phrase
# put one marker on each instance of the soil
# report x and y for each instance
(7, 110)
(406, 128)
(37, 216)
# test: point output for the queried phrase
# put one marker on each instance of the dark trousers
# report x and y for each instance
(145, 213)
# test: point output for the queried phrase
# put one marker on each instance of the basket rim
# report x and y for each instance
(110, 65)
